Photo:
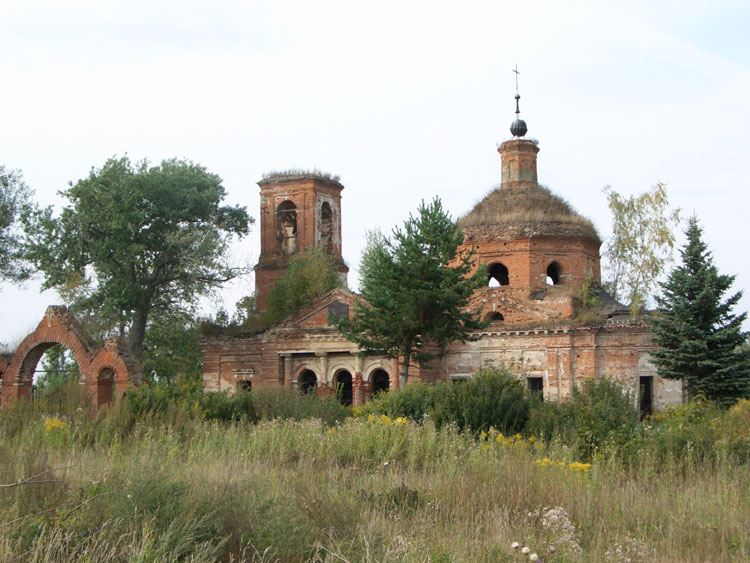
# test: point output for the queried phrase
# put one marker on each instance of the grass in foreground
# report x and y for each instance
(174, 487)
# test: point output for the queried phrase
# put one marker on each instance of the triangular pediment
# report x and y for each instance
(317, 314)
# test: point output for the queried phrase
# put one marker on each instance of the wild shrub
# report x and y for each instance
(228, 408)
(600, 417)
(493, 398)
(732, 431)
(413, 401)
(700, 430)
(551, 420)
(279, 402)
(605, 417)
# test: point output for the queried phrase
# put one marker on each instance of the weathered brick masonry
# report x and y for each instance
(103, 371)
(538, 255)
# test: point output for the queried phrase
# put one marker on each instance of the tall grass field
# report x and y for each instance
(272, 476)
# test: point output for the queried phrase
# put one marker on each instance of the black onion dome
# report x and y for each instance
(518, 128)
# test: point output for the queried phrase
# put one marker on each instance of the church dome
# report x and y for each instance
(527, 211)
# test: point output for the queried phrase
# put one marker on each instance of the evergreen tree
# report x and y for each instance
(414, 289)
(700, 339)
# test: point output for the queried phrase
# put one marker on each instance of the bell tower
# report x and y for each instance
(298, 210)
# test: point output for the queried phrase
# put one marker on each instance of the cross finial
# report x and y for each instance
(518, 127)
(518, 111)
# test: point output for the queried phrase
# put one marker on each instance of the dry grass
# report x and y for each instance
(362, 491)
(536, 206)
(292, 174)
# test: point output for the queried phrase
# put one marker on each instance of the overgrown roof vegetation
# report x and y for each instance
(292, 174)
(536, 207)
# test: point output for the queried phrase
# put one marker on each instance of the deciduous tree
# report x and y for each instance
(700, 339)
(140, 239)
(414, 289)
(641, 244)
(309, 275)
(15, 199)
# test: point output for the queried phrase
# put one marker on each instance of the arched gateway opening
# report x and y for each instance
(103, 371)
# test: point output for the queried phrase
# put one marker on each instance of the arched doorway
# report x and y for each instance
(307, 382)
(55, 368)
(105, 387)
(343, 386)
(46, 369)
(497, 275)
(245, 385)
(381, 381)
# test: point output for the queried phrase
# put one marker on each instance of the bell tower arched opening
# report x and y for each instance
(554, 274)
(497, 275)
(286, 226)
(326, 227)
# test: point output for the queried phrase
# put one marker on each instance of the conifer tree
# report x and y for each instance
(414, 289)
(700, 339)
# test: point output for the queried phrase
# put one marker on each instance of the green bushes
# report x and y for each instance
(493, 398)
(413, 401)
(262, 403)
(600, 418)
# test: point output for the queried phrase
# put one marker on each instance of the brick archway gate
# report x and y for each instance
(103, 370)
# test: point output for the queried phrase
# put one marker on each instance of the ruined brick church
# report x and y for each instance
(548, 320)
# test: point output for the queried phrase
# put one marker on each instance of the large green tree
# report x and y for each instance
(15, 198)
(641, 244)
(414, 288)
(700, 339)
(136, 240)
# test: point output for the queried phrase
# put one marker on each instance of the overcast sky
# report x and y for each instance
(404, 100)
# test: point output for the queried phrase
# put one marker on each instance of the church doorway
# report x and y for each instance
(343, 386)
(381, 381)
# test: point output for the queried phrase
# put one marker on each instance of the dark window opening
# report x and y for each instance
(307, 382)
(494, 317)
(245, 385)
(344, 387)
(497, 275)
(336, 311)
(536, 385)
(381, 381)
(646, 395)
(553, 274)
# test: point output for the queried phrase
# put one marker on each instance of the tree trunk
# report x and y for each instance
(404, 376)
(136, 336)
